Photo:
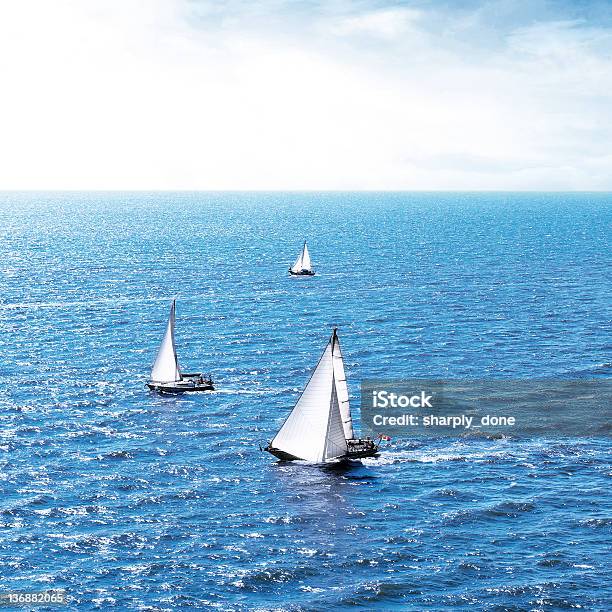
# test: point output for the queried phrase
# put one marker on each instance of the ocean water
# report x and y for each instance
(130, 500)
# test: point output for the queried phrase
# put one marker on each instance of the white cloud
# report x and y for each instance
(386, 23)
(170, 94)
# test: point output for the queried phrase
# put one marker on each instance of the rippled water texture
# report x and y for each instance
(126, 498)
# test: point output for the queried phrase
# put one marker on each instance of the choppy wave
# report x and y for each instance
(129, 500)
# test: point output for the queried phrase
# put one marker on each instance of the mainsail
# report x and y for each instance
(166, 368)
(306, 265)
(315, 429)
(302, 263)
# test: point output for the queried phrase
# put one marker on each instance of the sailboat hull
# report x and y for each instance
(282, 455)
(357, 449)
(188, 385)
(301, 273)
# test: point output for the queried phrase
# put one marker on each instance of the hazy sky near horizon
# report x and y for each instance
(281, 94)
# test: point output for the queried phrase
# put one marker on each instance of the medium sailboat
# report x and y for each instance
(319, 429)
(302, 265)
(166, 375)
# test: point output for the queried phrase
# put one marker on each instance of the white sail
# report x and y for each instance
(313, 431)
(306, 264)
(297, 266)
(302, 263)
(166, 368)
(335, 441)
(342, 390)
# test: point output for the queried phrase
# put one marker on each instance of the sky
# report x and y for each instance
(305, 95)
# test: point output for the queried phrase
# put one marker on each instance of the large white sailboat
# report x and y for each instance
(166, 375)
(302, 265)
(319, 429)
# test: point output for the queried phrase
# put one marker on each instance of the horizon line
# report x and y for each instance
(11, 191)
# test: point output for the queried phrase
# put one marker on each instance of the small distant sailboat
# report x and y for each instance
(166, 375)
(319, 429)
(302, 265)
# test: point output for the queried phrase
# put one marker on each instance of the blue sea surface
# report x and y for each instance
(131, 500)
